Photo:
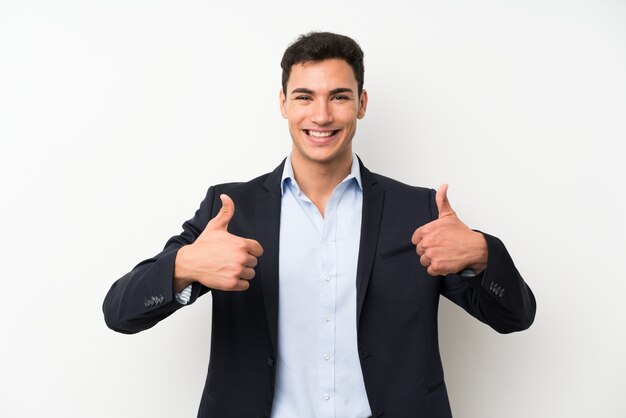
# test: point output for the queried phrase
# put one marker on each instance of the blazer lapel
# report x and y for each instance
(268, 230)
(370, 223)
(268, 204)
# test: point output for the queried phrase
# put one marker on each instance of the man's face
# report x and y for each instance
(322, 106)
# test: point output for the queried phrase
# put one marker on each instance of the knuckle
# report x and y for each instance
(231, 284)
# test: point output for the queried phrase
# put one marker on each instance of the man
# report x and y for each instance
(325, 277)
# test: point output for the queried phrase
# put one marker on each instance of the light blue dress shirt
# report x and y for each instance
(318, 372)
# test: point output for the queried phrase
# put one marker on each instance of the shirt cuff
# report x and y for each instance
(184, 296)
(466, 274)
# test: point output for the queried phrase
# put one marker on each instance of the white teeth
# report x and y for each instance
(318, 134)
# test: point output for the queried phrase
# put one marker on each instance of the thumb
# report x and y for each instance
(225, 214)
(443, 204)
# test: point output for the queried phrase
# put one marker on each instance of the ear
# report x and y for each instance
(362, 105)
(283, 103)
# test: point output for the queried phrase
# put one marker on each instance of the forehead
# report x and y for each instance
(322, 75)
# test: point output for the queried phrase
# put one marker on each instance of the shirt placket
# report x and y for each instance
(328, 301)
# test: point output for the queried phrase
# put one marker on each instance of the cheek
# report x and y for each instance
(348, 115)
(296, 116)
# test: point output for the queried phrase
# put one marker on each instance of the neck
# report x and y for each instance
(318, 180)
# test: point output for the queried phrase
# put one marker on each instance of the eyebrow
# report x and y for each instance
(333, 91)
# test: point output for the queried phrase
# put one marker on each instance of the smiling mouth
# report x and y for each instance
(319, 134)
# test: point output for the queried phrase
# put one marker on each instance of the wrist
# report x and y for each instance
(478, 261)
(181, 284)
(181, 277)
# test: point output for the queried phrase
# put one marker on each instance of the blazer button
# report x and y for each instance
(501, 292)
(270, 362)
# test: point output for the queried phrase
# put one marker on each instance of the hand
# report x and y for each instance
(217, 258)
(447, 245)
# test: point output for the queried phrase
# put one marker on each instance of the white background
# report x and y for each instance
(115, 117)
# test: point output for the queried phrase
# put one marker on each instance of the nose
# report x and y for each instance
(322, 114)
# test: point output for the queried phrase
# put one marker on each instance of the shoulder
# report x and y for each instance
(269, 181)
(401, 200)
(392, 185)
(394, 188)
(241, 186)
(244, 193)
(388, 184)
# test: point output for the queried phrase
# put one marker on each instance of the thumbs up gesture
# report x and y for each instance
(446, 245)
(217, 258)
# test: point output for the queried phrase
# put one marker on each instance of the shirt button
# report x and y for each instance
(327, 357)
(327, 278)
(327, 318)
(326, 396)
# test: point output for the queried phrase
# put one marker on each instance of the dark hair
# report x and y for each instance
(318, 46)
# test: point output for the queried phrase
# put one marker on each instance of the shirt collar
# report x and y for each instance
(355, 173)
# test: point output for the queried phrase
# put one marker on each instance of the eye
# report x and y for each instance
(341, 97)
(304, 98)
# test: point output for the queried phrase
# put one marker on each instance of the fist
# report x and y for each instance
(218, 259)
(446, 245)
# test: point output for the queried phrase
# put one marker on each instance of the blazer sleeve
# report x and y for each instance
(499, 296)
(145, 295)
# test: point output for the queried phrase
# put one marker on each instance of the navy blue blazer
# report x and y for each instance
(397, 301)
